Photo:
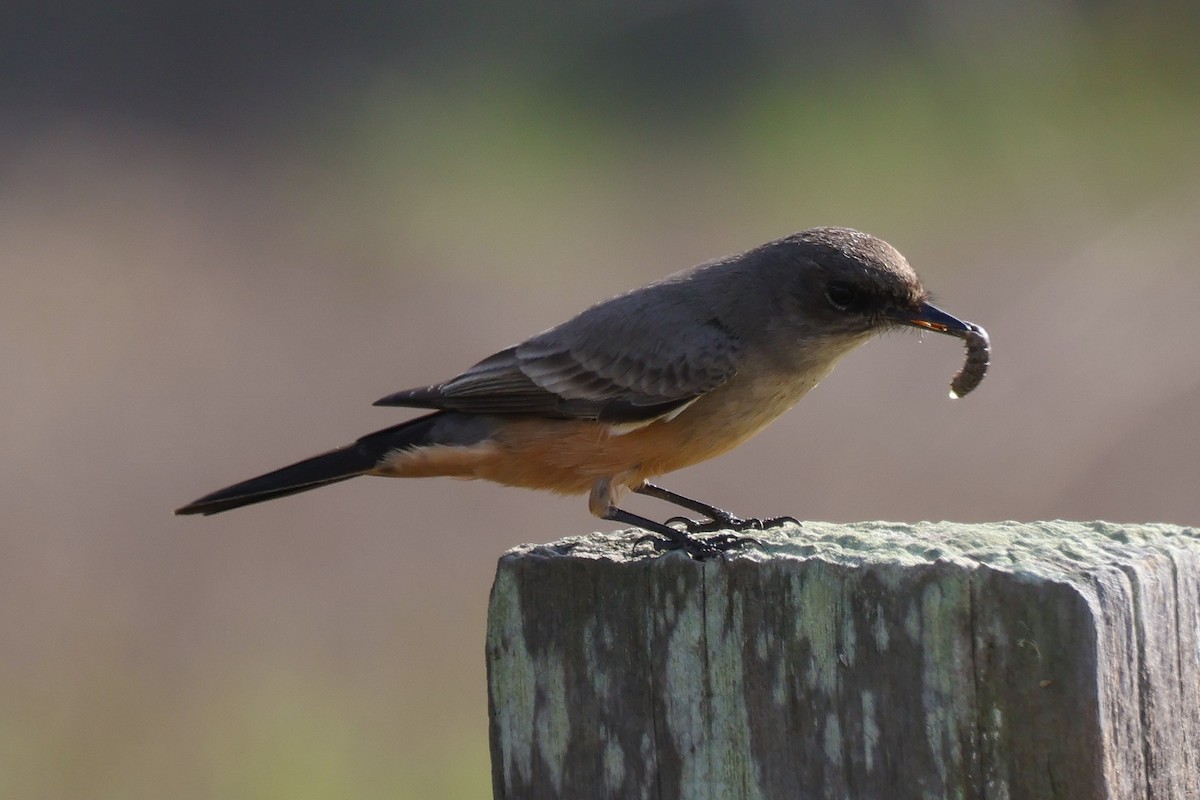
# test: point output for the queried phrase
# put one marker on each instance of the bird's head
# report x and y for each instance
(839, 286)
(851, 283)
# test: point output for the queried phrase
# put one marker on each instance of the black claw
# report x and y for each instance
(774, 522)
(697, 548)
(731, 541)
(654, 539)
(728, 522)
(755, 524)
(721, 522)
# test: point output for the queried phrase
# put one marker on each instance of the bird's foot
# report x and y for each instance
(699, 548)
(724, 521)
(775, 522)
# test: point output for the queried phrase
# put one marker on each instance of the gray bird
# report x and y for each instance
(646, 383)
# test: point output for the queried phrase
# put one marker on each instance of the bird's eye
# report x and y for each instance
(842, 296)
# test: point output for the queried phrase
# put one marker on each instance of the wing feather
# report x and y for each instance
(608, 364)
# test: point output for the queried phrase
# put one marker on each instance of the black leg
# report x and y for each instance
(712, 512)
(718, 519)
(699, 549)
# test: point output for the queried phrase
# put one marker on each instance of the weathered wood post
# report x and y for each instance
(877, 660)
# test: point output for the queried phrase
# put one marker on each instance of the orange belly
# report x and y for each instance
(570, 456)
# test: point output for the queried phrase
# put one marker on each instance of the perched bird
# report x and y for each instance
(646, 383)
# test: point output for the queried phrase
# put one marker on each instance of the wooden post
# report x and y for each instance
(877, 660)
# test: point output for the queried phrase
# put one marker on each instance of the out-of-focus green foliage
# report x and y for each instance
(227, 229)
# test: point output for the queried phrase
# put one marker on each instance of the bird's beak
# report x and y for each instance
(934, 319)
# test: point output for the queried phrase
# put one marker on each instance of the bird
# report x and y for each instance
(646, 383)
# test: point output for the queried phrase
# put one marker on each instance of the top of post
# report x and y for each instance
(1048, 549)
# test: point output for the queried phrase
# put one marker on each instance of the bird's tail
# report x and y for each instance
(320, 470)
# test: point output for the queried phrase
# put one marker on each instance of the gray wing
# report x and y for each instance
(630, 359)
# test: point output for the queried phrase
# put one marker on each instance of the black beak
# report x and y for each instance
(934, 319)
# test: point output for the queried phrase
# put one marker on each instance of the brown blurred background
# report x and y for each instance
(226, 228)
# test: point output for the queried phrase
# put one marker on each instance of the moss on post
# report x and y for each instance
(874, 660)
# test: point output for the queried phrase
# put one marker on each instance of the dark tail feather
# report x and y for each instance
(320, 470)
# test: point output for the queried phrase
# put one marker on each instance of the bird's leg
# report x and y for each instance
(718, 519)
(676, 539)
(602, 503)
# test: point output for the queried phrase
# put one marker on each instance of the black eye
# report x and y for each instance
(841, 295)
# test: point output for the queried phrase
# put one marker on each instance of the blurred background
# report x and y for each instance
(227, 228)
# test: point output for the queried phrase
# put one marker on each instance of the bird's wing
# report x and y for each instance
(610, 364)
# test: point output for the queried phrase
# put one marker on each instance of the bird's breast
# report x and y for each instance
(569, 456)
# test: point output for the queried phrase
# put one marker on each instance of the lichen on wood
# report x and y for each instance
(936, 660)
